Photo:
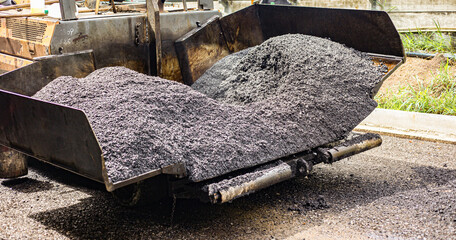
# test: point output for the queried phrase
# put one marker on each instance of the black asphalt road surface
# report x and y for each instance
(405, 189)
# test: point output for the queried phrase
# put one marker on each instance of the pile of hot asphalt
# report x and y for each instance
(290, 94)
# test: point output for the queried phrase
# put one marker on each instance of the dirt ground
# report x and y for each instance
(412, 71)
(405, 189)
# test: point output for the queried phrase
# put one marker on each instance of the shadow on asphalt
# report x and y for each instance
(64, 177)
(99, 216)
(27, 185)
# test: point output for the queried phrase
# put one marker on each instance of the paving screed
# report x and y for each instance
(287, 95)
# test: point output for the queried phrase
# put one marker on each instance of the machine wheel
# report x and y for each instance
(144, 192)
(129, 195)
(13, 164)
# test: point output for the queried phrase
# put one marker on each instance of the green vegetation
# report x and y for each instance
(437, 95)
(429, 42)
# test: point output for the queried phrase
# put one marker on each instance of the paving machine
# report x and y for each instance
(178, 46)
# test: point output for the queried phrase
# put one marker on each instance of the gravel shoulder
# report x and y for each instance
(401, 190)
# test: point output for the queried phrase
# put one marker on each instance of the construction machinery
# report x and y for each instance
(178, 46)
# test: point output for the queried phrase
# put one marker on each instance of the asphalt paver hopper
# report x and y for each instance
(63, 136)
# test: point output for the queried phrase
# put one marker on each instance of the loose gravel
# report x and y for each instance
(296, 92)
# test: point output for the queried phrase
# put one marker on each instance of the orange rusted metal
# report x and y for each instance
(9, 63)
(389, 63)
(26, 37)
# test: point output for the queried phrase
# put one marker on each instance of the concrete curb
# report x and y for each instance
(430, 127)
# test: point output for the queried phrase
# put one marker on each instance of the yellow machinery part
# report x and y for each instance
(9, 63)
(26, 37)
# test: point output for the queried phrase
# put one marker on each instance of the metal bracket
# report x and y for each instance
(31, 47)
(68, 9)
(177, 170)
(153, 17)
(137, 28)
(205, 4)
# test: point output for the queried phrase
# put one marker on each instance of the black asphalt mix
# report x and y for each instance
(287, 95)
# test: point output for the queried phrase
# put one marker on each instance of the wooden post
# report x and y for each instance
(23, 15)
(97, 6)
(114, 10)
(153, 18)
(93, 10)
(184, 3)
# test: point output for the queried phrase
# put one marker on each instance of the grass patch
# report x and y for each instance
(435, 96)
(429, 42)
